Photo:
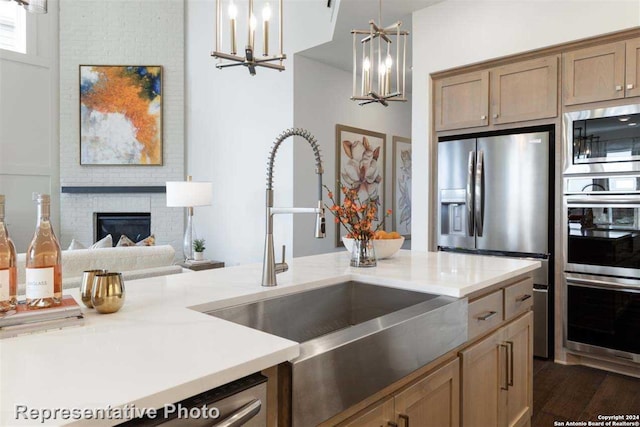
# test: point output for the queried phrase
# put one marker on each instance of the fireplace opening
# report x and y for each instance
(135, 225)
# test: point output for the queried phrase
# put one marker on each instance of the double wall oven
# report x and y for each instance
(602, 232)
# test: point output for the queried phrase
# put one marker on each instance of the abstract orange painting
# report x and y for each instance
(120, 115)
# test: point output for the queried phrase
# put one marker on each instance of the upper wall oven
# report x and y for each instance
(602, 223)
(603, 140)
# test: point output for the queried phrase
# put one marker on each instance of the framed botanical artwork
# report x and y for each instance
(401, 185)
(360, 165)
(120, 115)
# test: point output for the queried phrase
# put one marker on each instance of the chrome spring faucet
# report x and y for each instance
(269, 266)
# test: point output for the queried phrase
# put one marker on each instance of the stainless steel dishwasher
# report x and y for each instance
(240, 403)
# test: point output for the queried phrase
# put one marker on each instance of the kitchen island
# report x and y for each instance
(161, 348)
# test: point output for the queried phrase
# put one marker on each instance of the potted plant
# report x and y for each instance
(198, 249)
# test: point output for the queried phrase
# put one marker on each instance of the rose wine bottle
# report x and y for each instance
(8, 271)
(44, 271)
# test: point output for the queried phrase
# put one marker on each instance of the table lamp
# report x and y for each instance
(187, 194)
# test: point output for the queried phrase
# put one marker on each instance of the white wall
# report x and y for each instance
(232, 119)
(321, 100)
(29, 125)
(119, 32)
(455, 33)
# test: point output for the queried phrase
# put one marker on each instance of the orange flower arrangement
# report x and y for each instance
(355, 216)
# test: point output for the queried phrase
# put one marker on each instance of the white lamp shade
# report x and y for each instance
(186, 194)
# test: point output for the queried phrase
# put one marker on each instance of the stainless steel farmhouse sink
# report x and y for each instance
(355, 339)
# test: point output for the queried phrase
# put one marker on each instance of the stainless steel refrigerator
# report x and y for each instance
(493, 198)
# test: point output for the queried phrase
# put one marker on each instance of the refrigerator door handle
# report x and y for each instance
(479, 194)
(469, 193)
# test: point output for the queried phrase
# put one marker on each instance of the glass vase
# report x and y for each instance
(363, 254)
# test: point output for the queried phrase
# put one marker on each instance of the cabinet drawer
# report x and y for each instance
(518, 298)
(485, 314)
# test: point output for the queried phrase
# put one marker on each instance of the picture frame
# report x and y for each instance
(401, 185)
(120, 113)
(360, 150)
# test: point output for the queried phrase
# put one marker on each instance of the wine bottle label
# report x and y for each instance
(4, 285)
(39, 283)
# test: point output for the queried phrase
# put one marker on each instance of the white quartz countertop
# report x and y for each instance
(159, 348)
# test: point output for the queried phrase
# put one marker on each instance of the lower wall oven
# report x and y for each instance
(603, 315)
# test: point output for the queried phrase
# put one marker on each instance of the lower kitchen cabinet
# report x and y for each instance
(497, 377)
(379, 415)
(433, 401)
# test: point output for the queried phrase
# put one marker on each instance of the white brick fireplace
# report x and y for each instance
(107, 33)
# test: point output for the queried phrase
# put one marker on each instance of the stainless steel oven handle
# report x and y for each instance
(602, 200)
(595, 283)
(242, 415)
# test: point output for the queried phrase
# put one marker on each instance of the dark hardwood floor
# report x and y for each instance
(579, 393)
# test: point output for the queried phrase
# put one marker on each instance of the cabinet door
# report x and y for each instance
(462, 101)
(379, 415)
(633, 68)
(525, 91)
(483, 375)
(519, 339)
(594, 74)
(434, 401)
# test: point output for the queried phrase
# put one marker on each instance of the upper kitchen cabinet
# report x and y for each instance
(597, 73)
(462, 101)
(525, 91)
(632, 80)
(516, 92)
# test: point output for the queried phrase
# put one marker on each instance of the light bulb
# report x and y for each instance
(366, 64)
(252, 22)
(382, 70)
(266, 12)
(233, 11)
(388, 61)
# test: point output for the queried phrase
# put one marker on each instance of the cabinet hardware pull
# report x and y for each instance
(483, 117)
(404, 418)
(495, 116)
(506, 368)
(487, 316)
(510, 344)
(523, 298)
(618, 88)
(630, 86)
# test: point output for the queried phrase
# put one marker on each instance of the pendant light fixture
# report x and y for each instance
(382, 54)
(251, 58)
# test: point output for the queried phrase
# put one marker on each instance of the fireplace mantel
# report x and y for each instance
(114, 189)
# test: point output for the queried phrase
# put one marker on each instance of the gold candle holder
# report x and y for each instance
(108, 293)
(87, 285)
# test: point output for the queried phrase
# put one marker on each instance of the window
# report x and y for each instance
(13, 30)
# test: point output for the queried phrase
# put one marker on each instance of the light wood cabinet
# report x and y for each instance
(462, 101)
(602, 73)
(497, 377)
(519, 394)
(379, 415)
(524, 91)
(521, 91)
(594, 74)
(632, 65)
(433, 401)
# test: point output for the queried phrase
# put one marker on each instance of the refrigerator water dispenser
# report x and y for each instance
(453, 212)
